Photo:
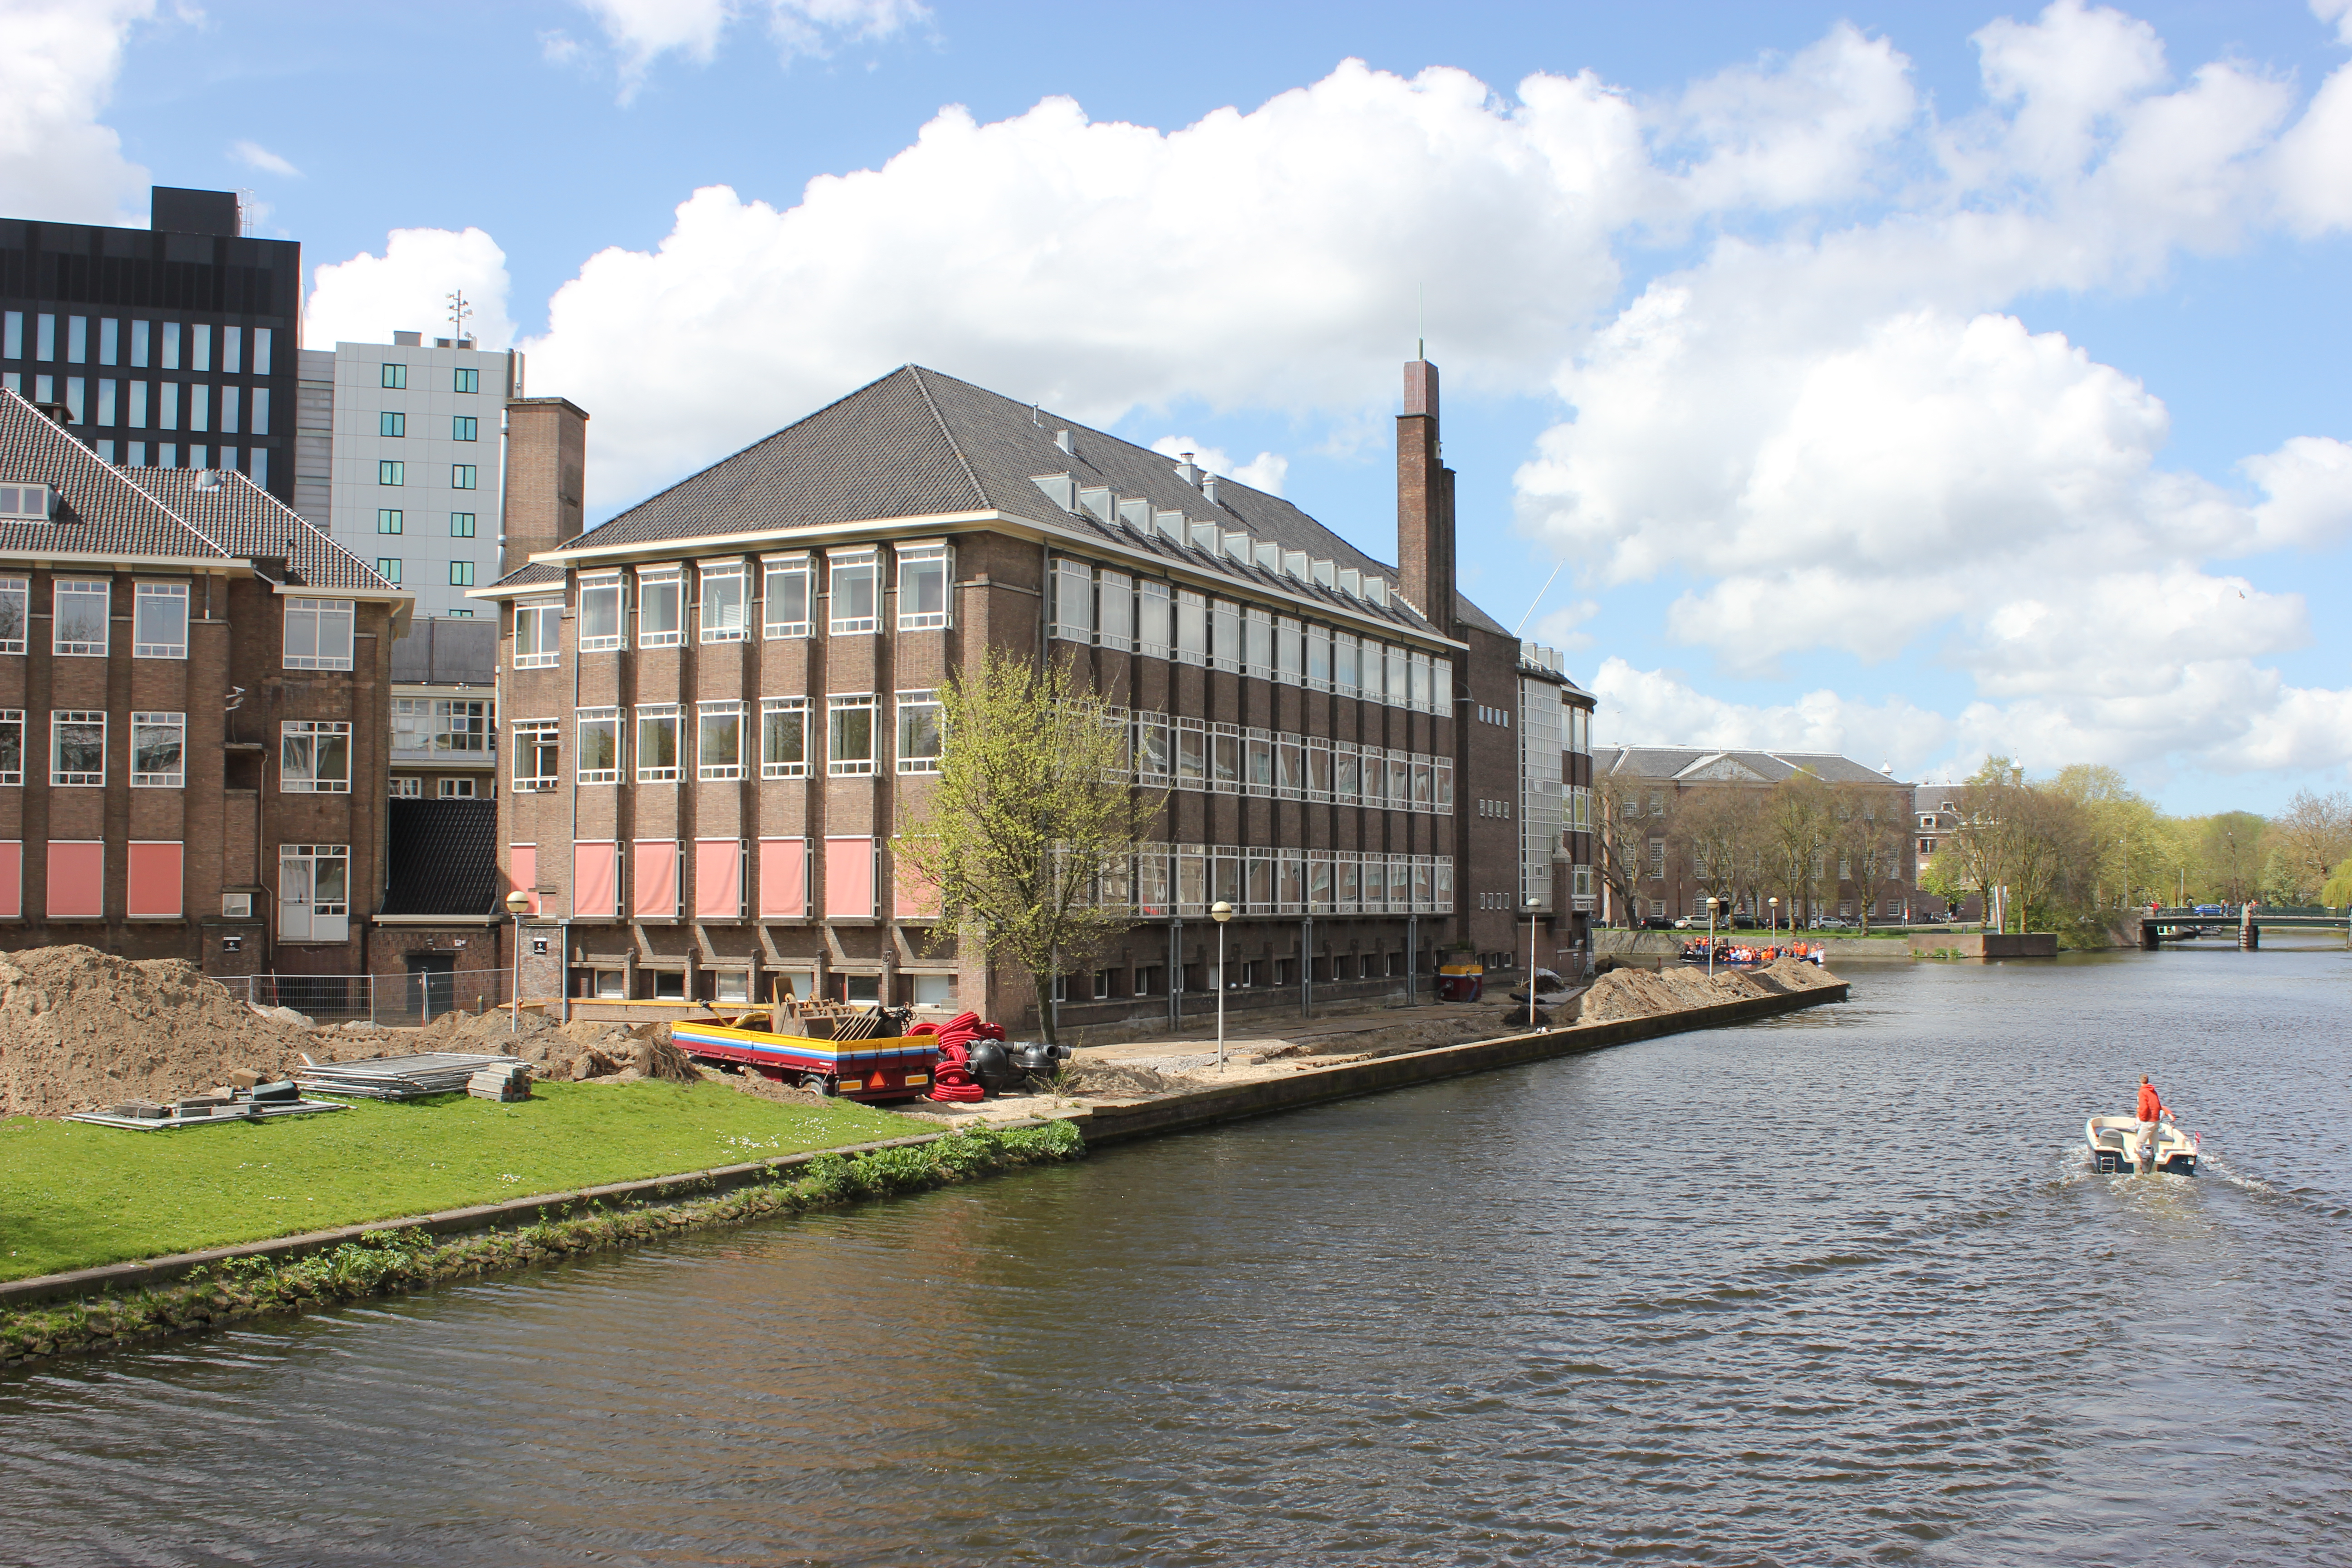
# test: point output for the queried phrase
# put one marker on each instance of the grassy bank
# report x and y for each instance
(73, 1196)
(390, 1261)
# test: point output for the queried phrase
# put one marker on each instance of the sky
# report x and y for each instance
(1918, 382)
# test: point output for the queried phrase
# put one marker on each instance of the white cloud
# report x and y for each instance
(1561, 628)
(1097, 268)
(1660, 707)
(2338, 12)
(56, 71)
(407, 289)
(1265, 471)
(253, 154)
(643, 31)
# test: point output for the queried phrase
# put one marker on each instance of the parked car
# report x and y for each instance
(2211, 910)
(1743, 922)
(1833, 922)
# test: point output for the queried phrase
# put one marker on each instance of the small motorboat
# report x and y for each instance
(2115, 1147)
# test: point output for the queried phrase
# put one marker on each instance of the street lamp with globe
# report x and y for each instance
(1775, 902)
(1221, 911)
(518, 905)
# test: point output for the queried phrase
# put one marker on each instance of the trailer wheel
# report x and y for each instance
(818, 1084)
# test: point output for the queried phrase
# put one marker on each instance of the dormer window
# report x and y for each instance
(28, 504)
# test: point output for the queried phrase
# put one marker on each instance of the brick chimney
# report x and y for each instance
(547, 463)
(1425, 502)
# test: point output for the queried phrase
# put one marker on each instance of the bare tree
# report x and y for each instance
(1800, 819)
(1616, 830)
(1718, 825)
(1871, 824)
(2310, 838)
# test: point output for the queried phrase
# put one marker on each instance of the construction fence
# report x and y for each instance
(388, 999)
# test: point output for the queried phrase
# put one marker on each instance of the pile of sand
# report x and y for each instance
(80, 1028)
(1636, 992)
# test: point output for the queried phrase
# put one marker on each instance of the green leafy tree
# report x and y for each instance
(1032, 807)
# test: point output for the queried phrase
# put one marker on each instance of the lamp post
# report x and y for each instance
(1773, 916)
(518, 905)
(1534, 907)
(1221, 911)
(1711, 902)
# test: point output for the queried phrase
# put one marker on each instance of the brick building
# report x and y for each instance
(713, 702)
(1643, 796)
(192, 691)
(171, 346)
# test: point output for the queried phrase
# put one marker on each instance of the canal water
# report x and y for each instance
(1832, 1288)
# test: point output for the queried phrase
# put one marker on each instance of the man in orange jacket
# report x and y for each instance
(2150, 1111)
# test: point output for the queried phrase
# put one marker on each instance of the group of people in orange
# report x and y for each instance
(1726, 953)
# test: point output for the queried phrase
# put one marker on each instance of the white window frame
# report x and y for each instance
(1348, 656)
(772, 568)
(178, 778)
(868, 560)
(704, 713)
(303, 737)
(322, 613)
(770, 706)
(1073, 610)
(736, 573)
(582, 719)
(1257, 643)
(18, 592)
(538, 746)
(542, 648)
(1196, 607)
(1114, 602)
(455, 788)
(655, 713)
(61, 589)
(613, 584)
(11, 719)
(838, 703)
(321, 919)
(1155, 619)
(922, 555)
(407, 786)
(142, 595)
(461, 718)
(908, 704)
(60, 718)
(656, 577)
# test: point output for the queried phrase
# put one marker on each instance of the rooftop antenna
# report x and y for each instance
(1420, 326)
(458, 311)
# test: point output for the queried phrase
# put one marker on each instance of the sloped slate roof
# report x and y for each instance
(443, 856)
(157, 512)
(99, 511)
(916, 443)
(245, 520)
(1696, 763)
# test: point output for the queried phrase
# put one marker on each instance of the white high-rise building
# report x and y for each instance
(399, 456)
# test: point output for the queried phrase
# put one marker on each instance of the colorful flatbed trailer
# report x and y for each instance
(897, 1067)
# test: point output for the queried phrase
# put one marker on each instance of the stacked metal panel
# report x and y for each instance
(396, 1078)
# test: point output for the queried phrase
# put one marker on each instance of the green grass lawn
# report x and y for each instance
(73, 1195)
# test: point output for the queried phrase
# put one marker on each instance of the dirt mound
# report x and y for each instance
(1791, 974)
(1118, 1081)
(80, 1028)
(1636, 993)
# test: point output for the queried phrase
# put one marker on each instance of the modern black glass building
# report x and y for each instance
(174, 346)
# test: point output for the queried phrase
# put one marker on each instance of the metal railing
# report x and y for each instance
(388, 999)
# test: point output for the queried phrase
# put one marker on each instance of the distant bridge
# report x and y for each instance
(2159, 926)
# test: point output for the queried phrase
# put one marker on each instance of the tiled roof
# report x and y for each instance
(157, 512)
(917, 443)
(1697, 762)
(443, 857)
(246, 522)
(99, 511)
